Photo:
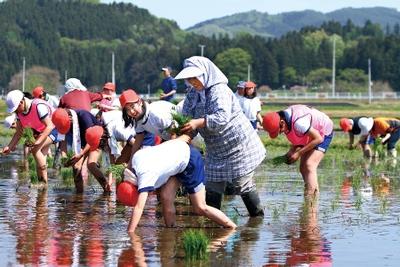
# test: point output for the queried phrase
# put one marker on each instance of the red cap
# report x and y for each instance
(345, 124)
(128, 96)
(250, 84)
(127, 194)
(61, 120)
(271, 123)
(109, 86)
(93, 136)
(37, 91)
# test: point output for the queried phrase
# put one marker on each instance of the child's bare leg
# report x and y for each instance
(200, 207)
(39, 152)
(167, 195)
(308, 168)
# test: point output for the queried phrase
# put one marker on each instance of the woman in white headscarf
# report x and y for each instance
(78, 97)
(233, 148)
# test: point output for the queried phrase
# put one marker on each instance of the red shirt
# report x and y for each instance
(78, 99)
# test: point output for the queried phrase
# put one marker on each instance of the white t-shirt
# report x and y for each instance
(365, 125)
(301, 125)
(155, 165)
(42, 110)
(116, 129)
(158, 119)
(251, 107)
(240, 98)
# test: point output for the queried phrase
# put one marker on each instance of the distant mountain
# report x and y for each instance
(264, 24)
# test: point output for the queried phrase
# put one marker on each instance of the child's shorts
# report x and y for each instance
(54, 136)
(193, 178)
(323, 147)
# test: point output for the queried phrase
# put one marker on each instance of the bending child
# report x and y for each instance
(156, 167)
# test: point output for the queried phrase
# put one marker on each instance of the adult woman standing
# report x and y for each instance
(234, 149)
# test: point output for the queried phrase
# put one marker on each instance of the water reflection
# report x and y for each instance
(308, 247)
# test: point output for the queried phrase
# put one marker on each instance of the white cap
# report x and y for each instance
(189, 72)
(13, 99)
(9, 120)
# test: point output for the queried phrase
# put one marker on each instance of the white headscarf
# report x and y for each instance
(74, 84)
(211, 74)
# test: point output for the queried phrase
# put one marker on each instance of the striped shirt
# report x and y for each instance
(233, 148)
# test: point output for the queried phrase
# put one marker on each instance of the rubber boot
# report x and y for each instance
(214, 199)
(392, 153)
(252, 202)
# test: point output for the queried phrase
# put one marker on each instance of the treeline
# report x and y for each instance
(78, 38)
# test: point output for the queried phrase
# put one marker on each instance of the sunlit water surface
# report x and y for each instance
(352, 223)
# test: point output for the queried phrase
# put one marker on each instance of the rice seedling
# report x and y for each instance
(279, 160)
(383, 205)
(178, 121)
(31, 162)
(67, 176)
(34, 177)
(195, 243)
(27, 137)
(117, 172)
(159, 92)
(378, 148)
(49, 161)
(275, 213)
(358, 203)
(66, 161)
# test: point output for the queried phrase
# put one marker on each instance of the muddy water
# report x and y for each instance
(354, 222)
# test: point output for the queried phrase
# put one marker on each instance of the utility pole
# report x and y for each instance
(23, 74)
(248, 72)
(112, 68)
(333, 66)
(65, 76)
(202, 50)
(369, 82)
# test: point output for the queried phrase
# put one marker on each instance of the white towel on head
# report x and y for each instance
(74, 84)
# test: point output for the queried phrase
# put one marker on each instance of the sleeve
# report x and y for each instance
(139, 129)
(220, 107)
(303, 125)
(173, 84)
(95, 96)
(43, 111)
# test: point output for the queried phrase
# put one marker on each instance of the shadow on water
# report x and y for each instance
(55, 226)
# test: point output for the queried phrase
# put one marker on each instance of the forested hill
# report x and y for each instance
(267, 25)
(78, 37)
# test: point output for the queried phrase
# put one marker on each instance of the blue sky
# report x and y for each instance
(187, 13)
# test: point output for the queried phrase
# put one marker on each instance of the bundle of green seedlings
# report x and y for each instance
(67, 176)
(280, 160)
(117, 172)
(195, 243)
(178, 120)
(66, 161)
(27, 137)
(32, 170)
(378, 148)
(159, 92)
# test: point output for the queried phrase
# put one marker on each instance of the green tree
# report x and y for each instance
(290, 76)
(233, 62)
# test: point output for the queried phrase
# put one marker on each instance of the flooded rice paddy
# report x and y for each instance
(355, 221)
